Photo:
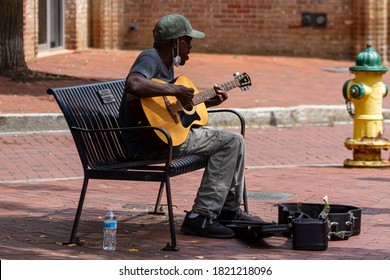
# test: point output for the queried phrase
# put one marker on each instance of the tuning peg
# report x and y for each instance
(236, 74)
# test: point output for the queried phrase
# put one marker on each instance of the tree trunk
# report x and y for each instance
(11, 37)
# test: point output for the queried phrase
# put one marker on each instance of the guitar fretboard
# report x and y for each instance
(207, 94)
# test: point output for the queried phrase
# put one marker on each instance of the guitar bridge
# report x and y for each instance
(171, 112)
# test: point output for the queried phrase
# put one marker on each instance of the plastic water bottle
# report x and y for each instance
(109, 230)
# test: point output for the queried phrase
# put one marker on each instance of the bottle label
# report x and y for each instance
(110, 224)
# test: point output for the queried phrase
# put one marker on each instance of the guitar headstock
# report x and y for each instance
(243, 79)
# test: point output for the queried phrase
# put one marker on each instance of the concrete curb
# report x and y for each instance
(254, 117)
(288, 116)
(10, 123)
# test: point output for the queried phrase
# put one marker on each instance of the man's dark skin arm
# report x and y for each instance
(142, 87)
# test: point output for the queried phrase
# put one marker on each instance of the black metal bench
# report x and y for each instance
(92, 114)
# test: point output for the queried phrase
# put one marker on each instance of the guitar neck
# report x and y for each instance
(207, 94)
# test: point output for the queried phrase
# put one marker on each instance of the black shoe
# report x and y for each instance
(239, 215)
(206, 227)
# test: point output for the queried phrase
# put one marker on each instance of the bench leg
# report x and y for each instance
(173, 246)
(73, 238)
(245, 199)
(157, 210)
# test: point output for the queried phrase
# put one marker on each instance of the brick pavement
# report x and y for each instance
(41, 176)
(37, 224)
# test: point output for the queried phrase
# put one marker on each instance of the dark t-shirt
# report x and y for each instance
(149, 64)
(146, 145)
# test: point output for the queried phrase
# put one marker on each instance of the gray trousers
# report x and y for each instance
(223, 179)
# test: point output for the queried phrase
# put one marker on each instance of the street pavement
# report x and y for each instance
(287, 161)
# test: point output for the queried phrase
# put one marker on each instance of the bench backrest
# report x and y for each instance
(94, 107)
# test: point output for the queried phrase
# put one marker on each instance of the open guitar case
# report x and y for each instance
(301, 222)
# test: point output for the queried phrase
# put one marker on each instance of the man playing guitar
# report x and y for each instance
(151, 80)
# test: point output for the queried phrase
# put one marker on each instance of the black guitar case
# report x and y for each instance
(301, 222)
(345, 220)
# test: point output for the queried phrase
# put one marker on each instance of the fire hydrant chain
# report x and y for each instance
(348, 104)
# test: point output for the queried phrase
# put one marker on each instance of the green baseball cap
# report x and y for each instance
(174, 26)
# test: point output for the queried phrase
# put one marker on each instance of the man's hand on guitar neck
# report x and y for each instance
(221, 96)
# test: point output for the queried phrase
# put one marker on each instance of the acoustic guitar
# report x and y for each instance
(167, 112)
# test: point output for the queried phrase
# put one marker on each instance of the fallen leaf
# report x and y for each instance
(133, 250)
(59, 243)
(71, 245)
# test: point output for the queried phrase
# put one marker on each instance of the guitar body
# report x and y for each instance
(167, 112)
(158, 114)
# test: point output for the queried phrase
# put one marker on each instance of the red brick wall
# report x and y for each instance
(30, 18)
(95, 23)
(107, 24)
(261, 27)
(76, 24)
(70, 24)
(265, 27)
(82, 24)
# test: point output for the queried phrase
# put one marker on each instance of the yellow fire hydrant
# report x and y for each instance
(366, 91)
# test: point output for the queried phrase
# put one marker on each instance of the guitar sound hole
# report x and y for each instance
(186, 120)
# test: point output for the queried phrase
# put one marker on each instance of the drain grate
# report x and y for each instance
(147, 207)
(139, 207)
(269, 195)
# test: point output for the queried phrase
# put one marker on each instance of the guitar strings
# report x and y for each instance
(210, 93)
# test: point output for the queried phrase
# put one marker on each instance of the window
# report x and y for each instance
(50, 25)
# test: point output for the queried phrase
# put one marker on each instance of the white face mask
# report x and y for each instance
(177, 58)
